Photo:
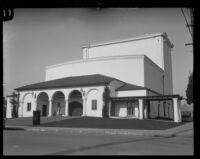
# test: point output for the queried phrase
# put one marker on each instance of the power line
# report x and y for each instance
(188, 26)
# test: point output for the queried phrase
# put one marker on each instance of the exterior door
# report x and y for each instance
(44, 110)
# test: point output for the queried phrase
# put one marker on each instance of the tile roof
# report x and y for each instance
(73, 81)
(129, 86)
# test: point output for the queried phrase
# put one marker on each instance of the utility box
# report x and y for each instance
(36, 117)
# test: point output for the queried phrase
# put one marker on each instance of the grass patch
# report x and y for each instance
(109, 123)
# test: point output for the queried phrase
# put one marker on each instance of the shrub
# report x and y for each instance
(106, 96)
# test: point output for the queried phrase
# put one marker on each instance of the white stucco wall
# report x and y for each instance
(8, 108)
(153, 76)
(28, 99)
(121, 109)
(113, 86)
(130, 93)
(94, 94)
(151, 47)
(150, 93)
(125, 61)
(154, 109)
(31, 96)
(136, 112)
(129, 69)
(168, 82)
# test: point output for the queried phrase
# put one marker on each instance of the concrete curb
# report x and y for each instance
(185, 130)
(152, 133)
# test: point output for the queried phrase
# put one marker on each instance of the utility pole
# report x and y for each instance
(192, 22)
(189, 26)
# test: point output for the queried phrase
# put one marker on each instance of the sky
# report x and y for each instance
(37, 38)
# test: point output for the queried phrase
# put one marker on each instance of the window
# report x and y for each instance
(94, 104)
(28, 106)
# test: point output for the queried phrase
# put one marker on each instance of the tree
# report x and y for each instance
(106, 96)
(15, 104)
(189, 90)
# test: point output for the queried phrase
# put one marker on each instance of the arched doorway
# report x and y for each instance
(75, 109)
(75, 103)
(58, 103)
(43, 103)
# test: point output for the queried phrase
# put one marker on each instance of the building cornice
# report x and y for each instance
(146, 36)
(97, 59)
(62, 87)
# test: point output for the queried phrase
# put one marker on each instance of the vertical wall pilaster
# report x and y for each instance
(50, 107)
(84, 107)
(145, 109)
(109, 109)
(20, 109)
(66, 107)
(34, 105)
(8, 108)
(141, 110)
(177, 111)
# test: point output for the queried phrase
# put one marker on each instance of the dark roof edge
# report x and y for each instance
(120, 87)
(141, 88)
(148, 97)
(99, 84)
(103, 83)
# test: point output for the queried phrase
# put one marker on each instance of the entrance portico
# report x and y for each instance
(144, 106)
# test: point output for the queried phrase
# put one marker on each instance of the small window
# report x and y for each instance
(28, 106)
(94, 104)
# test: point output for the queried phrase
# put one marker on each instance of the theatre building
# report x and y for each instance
(136, 73)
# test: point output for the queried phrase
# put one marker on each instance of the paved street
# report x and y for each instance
(20, 142)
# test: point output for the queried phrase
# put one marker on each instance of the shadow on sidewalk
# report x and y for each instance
(13, 128)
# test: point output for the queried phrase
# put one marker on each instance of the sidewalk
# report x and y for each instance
(183, 130)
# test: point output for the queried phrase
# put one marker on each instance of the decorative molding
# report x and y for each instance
(107, 58)
(146, 36)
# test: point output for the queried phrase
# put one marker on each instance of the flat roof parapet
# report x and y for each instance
(145, 36)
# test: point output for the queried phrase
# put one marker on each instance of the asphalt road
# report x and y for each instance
(20, 142)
